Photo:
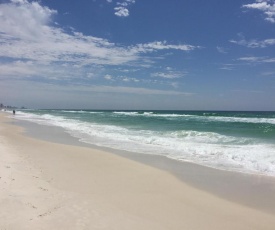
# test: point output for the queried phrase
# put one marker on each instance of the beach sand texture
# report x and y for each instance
(46, 185)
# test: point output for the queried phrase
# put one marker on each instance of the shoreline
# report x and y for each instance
(215, 181)
(63, 186)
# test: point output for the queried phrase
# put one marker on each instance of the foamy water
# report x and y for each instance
(235, 141)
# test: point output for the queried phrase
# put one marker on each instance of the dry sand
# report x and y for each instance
(46, 185)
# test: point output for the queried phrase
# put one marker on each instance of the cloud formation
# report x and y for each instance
(254, 43)
(161, 45)
(228, 67)
(266, 6)
(121, 10)
(28, 35)
(257, 59)
(168, 74)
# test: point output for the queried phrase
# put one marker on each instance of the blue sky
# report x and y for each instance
(138, 54)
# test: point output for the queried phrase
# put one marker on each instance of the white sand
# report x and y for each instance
(45, 185)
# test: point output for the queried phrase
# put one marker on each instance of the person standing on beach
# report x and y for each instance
(13, 112)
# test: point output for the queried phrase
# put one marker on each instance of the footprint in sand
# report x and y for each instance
(43, 189)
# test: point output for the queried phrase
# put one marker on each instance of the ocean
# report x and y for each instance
(234, 141)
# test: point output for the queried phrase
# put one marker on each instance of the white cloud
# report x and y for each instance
(269, 60)
(257, 59)
(227, 67)
(122, 8)
(25, 20)
(121, 78)
(254, 43)
(161, 45)
(130, 79)
(26, 34)
(266, 6)
(108, 77)
(250, 59)
(121, 11)
(18, 68)
(168, 74)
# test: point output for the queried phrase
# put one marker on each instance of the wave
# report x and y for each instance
(201, 147)
(80, 111)
(127, 113)
(151, 114)
(206, 148)
(244, 120)
(205, 117)
(208, 117)
(73, 111)
(210, 137)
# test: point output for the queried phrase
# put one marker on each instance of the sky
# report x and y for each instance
(138, 54)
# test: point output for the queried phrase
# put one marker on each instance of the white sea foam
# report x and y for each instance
(205, 117)
(243, 119)
(80, 111)
(74, 111)
(127, 113)
(206, 148)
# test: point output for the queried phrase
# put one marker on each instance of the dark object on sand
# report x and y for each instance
(13, 112)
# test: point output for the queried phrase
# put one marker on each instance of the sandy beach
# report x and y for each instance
(46, 185)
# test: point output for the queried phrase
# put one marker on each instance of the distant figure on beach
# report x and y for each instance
(13, 112)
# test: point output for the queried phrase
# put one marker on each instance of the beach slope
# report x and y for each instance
(46, 185)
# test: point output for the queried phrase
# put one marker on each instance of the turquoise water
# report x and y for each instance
(236, 141)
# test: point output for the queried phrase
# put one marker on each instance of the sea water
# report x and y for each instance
(236, 141)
